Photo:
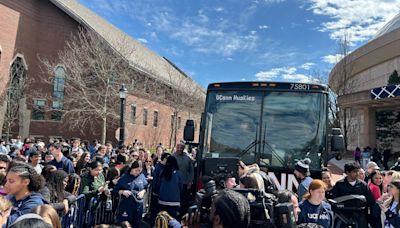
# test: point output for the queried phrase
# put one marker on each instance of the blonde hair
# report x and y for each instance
(395, 176)
(5, 204)
(162, 219)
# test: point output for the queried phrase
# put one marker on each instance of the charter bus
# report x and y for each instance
(273, 124)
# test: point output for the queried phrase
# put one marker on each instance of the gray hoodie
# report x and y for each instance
(185, 166)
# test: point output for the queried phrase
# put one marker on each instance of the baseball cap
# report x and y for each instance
(372, 165)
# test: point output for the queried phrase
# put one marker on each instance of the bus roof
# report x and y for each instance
(259, 85)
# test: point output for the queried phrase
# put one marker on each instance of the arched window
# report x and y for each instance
(18, 72)
(58, 93)
(16, 87)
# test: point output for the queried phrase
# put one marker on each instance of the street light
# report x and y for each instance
(122, 96)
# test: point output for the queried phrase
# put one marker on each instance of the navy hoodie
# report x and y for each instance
(319, 214)
(24, 206)
(170, 190)
(131, 183)
(158, 169)
(130, 207)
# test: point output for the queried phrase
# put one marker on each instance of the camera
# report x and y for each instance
(204, 199)
(264, 209)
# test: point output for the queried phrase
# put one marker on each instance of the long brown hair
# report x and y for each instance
(389, 201)
(50, 212)
(315, 184)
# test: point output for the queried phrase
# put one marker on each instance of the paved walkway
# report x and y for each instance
(337, 167)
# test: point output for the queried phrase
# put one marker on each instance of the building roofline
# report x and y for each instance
(159, 68)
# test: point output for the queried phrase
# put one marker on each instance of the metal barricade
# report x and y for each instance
(89, 215)
(103, 210)
(75, 215)
(80, 211)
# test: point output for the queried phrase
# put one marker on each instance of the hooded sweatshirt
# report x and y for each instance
(170, 190)
(159, 168)
(24, 206)
(319, 214)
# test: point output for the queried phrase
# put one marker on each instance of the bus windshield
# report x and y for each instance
(271, 127)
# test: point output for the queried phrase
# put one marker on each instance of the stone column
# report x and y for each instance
(24, 119)
(368, 128)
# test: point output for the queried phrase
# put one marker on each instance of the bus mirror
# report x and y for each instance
(337, 143)
(188, 132)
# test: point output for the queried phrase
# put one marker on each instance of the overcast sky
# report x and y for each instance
(234, 40)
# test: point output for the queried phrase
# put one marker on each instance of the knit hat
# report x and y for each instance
(303, 166)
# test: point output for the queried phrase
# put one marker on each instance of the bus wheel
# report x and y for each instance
(338, 157)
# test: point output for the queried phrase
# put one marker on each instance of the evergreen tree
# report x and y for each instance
(394, 78)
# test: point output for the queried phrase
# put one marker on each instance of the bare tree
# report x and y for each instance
(333, 109)
(344, 71)
(182, 95)
(94, 72)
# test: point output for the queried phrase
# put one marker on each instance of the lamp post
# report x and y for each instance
(122, 96)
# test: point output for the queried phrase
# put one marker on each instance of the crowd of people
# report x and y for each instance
(46, 179)
(39, 182)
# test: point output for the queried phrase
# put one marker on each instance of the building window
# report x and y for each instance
(56, 115)
(58, 93)
(145, 117)
(38, 109)
(16, 89)
(133, 114)
(179, 122)
(172, 121)
(155, 119)
(17, 84)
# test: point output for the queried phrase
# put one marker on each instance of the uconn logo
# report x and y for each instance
(315, 216)
(285, 181)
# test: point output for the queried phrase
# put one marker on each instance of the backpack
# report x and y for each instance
(65, 165)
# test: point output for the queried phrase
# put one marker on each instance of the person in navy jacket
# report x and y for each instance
(314, 209)
(158, 170)
(131, 187)
(21, 187)
(171, 187)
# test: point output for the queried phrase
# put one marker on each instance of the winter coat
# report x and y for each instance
(23, 206)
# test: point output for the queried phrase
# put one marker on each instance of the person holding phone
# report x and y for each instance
(131, 187)
(93, 181)
(391, 207)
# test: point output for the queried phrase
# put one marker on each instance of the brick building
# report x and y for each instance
(32, 28)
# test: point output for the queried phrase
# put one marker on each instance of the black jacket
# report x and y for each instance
(343, 187)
